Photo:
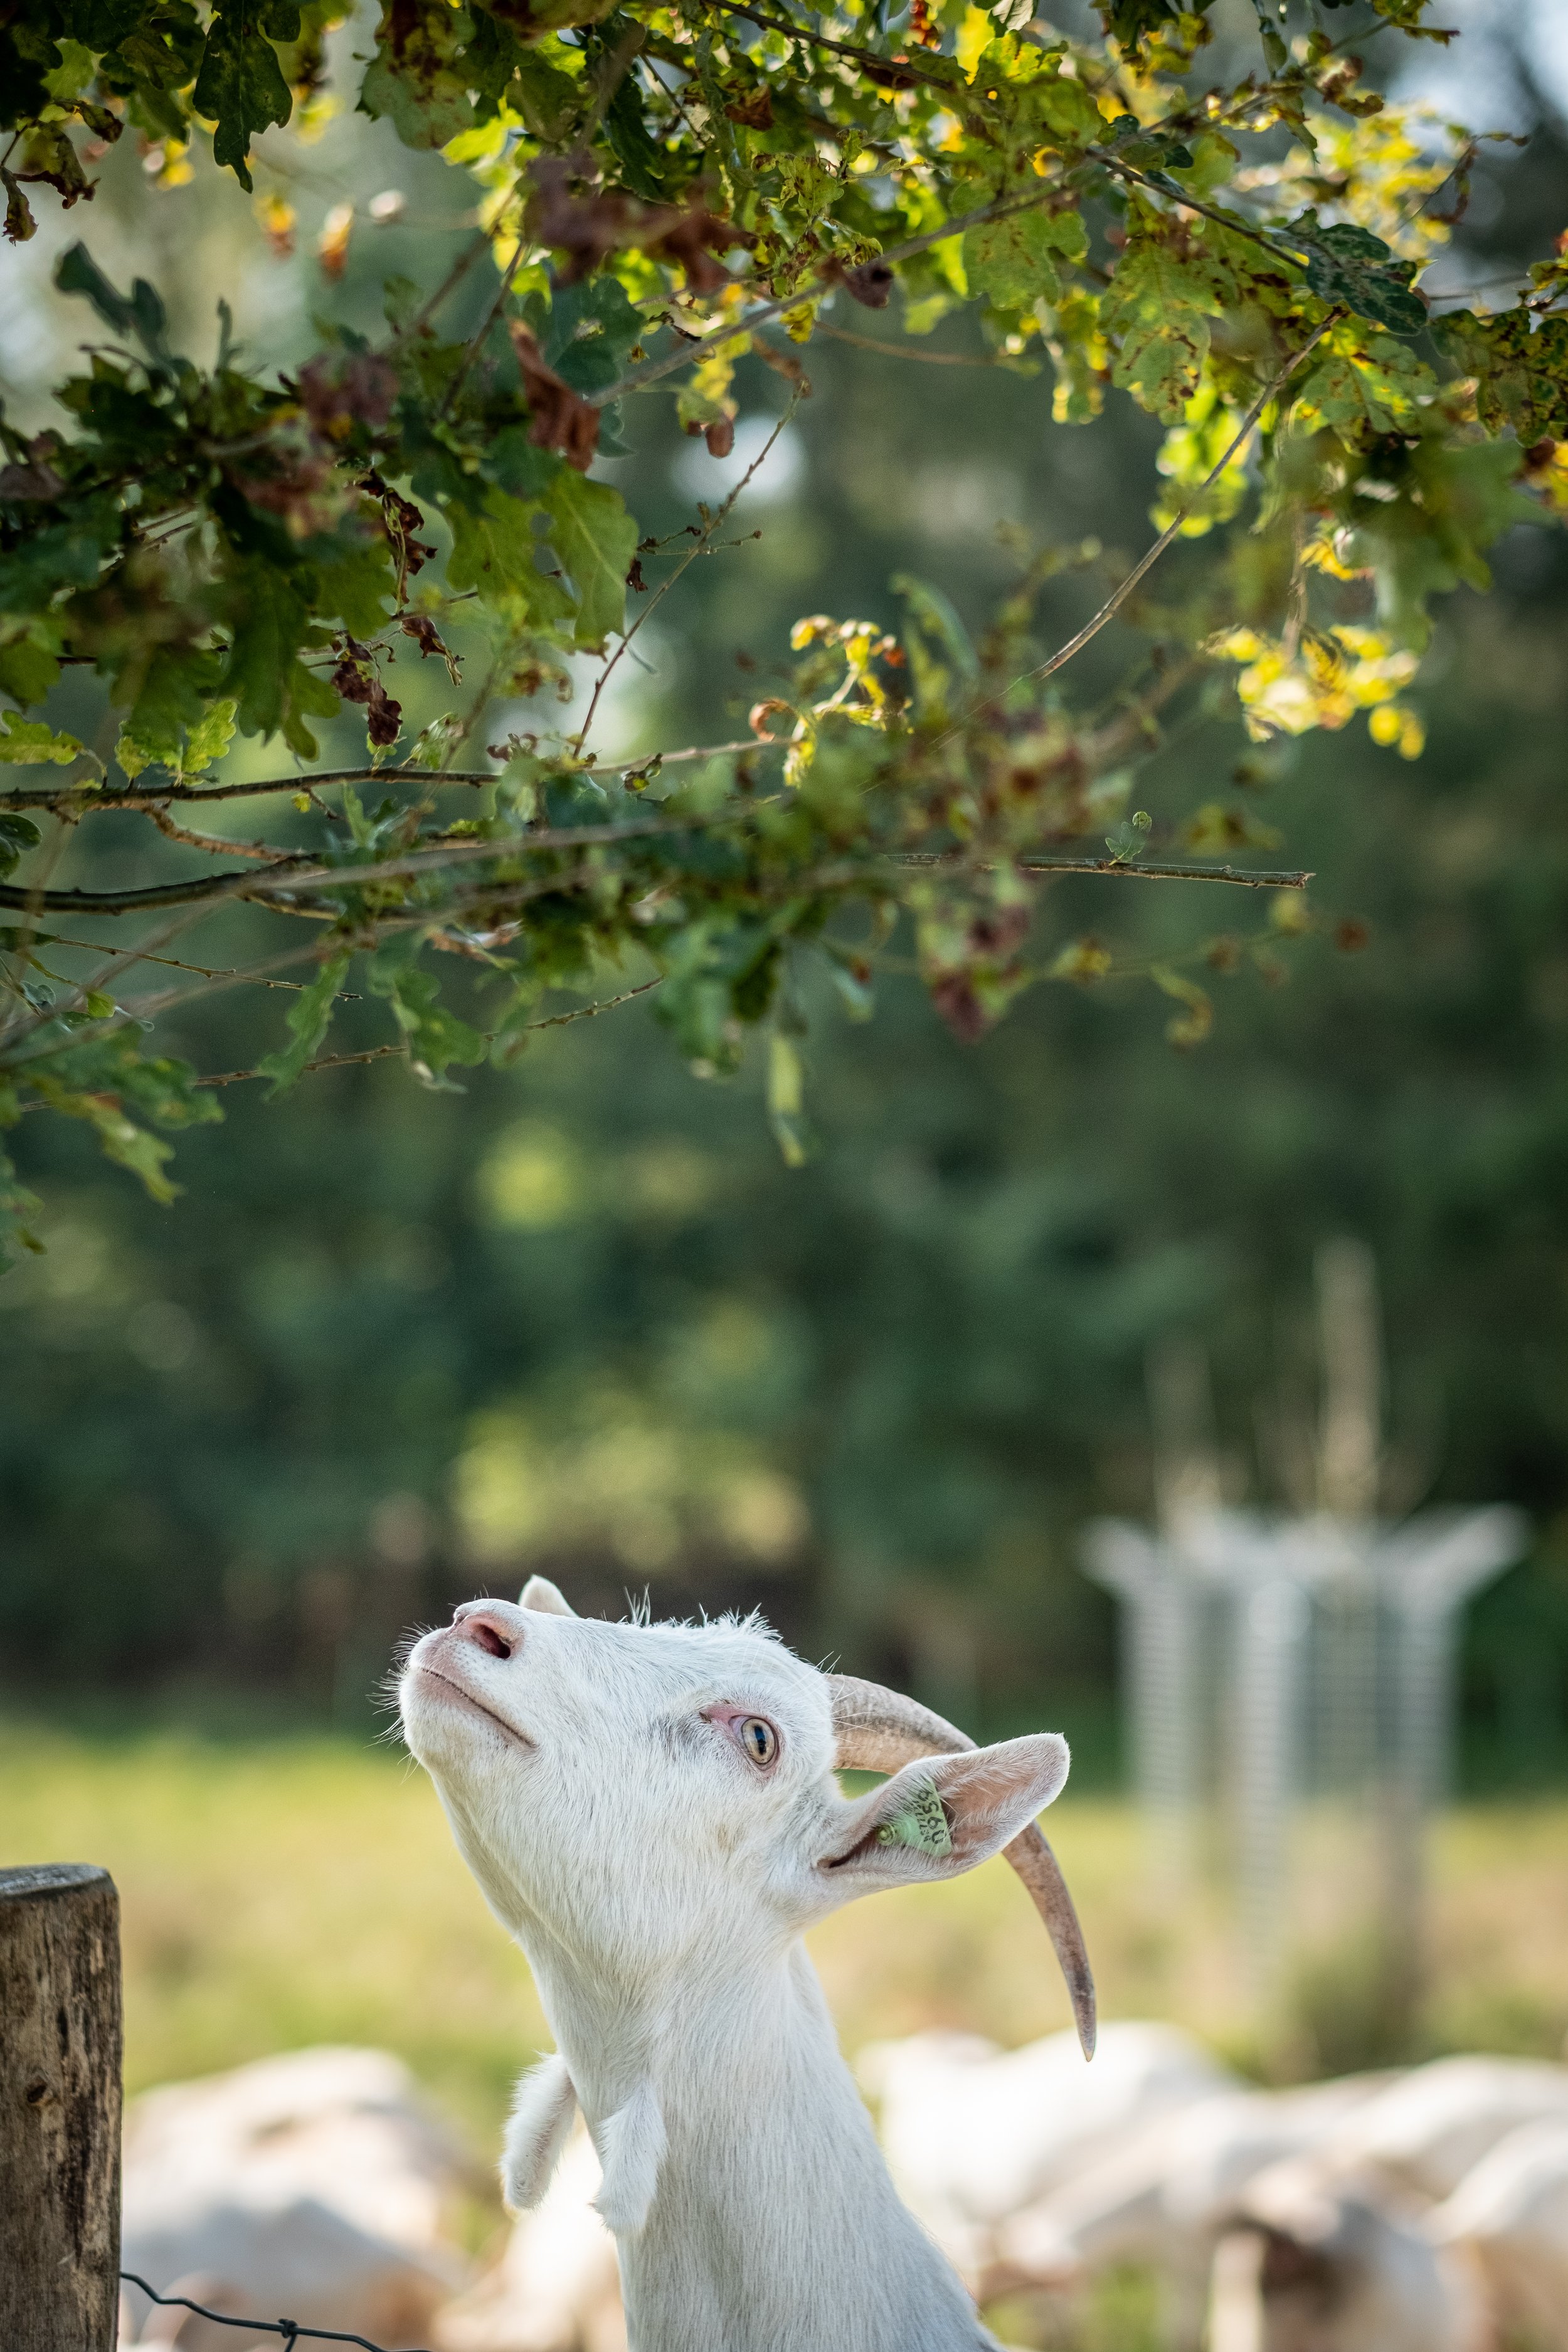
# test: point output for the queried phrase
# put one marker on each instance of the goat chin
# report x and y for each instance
(653, 1811)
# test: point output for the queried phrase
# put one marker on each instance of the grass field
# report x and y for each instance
(280, 1892)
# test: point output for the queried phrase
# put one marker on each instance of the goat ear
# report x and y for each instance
(536, 2131)
(945, 1813)
(540, 1593)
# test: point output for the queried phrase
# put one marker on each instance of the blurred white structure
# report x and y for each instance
(1272, 1657)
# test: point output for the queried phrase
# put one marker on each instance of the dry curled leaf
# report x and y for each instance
(559, 418)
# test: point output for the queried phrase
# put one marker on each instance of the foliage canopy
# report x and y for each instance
(662, 192)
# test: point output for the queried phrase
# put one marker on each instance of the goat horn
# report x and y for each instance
(878, 1730)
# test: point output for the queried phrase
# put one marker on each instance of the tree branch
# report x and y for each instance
(85, 799)
(1152, 870)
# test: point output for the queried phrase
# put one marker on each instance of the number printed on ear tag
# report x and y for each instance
(922, 1825)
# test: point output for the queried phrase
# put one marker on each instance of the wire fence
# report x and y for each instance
(290, 2330)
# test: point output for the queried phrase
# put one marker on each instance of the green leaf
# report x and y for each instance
(417, 79)
(1010, 261)
(1193, 1025)
(17, 835)
(935, 618)
(1352, 268)
(240, 86)
(1362, 389)
(1213, 161)
(17, 1202)
(269, 685)
(1521, 367)
(1064, 106)
(28, 743)
(119, 1139)
(786, 1101)
(172, 696)
(596, 539)
(355, 587)
(642, 163)
(493, 550)
(208, 741)
(1158, 306)
(28, 669)
(437, 1037)
(309, 1019)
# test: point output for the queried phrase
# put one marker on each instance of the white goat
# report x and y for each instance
(1432, 2126)
(651, 1810)
(1165, 2192)
(974, 2133)
(1323, 2260)
(314, 2183)
(1511, 2217)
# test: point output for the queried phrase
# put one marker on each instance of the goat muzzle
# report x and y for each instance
(880, 1731)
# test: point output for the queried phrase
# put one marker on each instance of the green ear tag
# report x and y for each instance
(922, 1825)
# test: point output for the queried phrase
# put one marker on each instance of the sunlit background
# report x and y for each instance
(393, 1347)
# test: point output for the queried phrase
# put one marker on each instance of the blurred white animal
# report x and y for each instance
(1433, 2125)
(556, 2288)
(311, 2185)
(1323, 2260)
(1510, 2216)
(1166, 2191)
(973, 2133)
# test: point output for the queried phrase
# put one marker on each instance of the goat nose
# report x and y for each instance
(491, 1625)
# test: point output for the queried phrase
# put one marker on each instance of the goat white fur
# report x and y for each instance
(658, 1857)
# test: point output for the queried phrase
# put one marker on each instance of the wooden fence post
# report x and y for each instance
(60, 2109)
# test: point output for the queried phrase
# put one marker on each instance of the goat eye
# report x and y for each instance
(759, 1739)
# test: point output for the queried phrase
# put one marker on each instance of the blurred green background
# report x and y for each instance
(393, 1347)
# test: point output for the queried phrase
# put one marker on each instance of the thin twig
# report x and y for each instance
(1152, 870)
(1114, 603)
(132, 902)
(382, 1053)
(477, 339)
(448, 285)
(213, 844)
(714, 521)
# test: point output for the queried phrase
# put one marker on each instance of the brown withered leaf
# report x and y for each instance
(428, 638)
(753, 110)
(349, 388)
(357, 679)
(559, 418)
(955, 1000)
(49, 156)
(585, 228)
(37, 481)
(891, 76)
(423, 630)
(691, 240)
(871, 283)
